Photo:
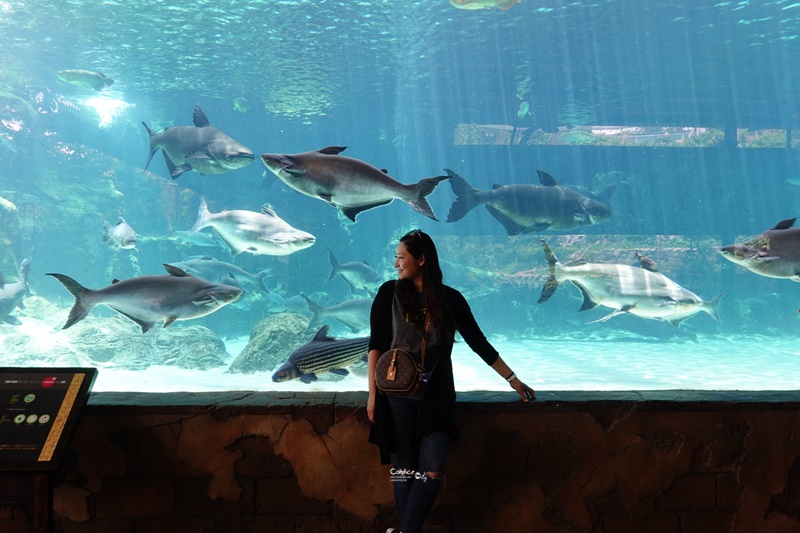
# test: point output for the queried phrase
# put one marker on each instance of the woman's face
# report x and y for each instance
(408, 267)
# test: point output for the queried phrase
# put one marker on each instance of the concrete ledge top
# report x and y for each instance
(549, 400)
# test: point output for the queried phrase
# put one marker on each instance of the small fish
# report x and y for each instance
(262, 233)
(627, 289)
(296, 304)
(347, 183)
(357, 275)
(241, 105)
(85, 78)
(322, 354)
(202, 148)
(774, 253)
(150, 299)
(203, 240)
(352, 313)
(214, 270)
(11, 294)
(272, 302)
(119, 236)
(524, 110)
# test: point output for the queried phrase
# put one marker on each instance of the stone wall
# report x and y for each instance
(656, 462)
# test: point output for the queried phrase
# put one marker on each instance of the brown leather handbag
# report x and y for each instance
(401, 372)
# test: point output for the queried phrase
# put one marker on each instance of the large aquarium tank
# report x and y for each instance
(611, 185)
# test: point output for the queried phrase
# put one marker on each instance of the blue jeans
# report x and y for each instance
(414, 490)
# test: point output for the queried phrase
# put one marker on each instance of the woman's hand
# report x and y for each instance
(371, 407)
(526, 393)
(372, 361)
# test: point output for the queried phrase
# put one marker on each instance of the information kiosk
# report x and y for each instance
(39, 410)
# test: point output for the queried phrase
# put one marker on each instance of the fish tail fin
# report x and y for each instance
(551, 284)
(262, 279)
(334, 265)
(315, 309)
(420, 192)
(153, 149)
(466, 197)
(82, 306)
(203, 214)
(712, 307)
(24, 270)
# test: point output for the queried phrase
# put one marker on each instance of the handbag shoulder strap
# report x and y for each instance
(424, 338)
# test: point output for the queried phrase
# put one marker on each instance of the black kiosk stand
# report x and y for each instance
(39, 410)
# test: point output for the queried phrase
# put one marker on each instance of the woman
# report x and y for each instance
(415, 433)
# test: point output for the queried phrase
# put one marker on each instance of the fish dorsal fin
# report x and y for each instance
(546, 179)
(332, 150)
(121, 221)
(265, 209)
(384, 171)
(175, 271)
(199, 118)
(785, 224)
(497, 186)
(322, 335)
(115, 280)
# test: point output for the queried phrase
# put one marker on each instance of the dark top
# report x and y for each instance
(437, 412)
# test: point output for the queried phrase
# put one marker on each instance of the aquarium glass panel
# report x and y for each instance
(207, 195)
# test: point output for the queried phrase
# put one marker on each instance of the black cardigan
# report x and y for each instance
(437, 412)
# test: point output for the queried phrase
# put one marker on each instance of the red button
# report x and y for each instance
(48, 382)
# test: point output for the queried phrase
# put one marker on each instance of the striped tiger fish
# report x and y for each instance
(320, 355)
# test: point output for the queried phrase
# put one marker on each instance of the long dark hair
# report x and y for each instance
(418, 244)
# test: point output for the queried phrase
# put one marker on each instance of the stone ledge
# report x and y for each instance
(253, 401)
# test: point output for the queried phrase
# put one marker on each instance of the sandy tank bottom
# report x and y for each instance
(711, 363)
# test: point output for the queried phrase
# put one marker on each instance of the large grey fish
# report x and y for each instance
(258, 233)
(352, 313)
(150, 299)
(349, 184)
(202, 148)
(203, 240)
(85, 78)
(214, 270)
(627, 289)
(11, 294)
(530, 208)
(120, 236)
(322, 354)
(774, 253)
(357, 275)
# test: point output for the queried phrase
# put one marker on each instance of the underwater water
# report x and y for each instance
(667, 130)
